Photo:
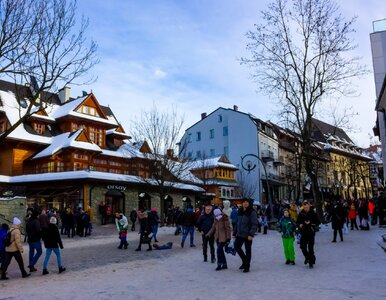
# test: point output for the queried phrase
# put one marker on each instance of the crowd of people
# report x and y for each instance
(39, 227)
(222, 229)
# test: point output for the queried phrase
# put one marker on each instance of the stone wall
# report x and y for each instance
(13, 207)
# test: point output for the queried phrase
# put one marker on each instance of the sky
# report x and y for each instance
(185, 54)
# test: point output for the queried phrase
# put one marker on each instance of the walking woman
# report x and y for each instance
(144, 230)
(222, 234)
(14, 249)
(52, 242)
(287, 228)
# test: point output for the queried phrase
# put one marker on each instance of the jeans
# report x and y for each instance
(34, 257)
(185, 231)
(245, 257)
(221, 260)
(205, 242)
(8, 258)
(307, 245)
(154, 230)
(48, 254)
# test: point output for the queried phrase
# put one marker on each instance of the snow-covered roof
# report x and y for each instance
(73, 175)
(44, 118)
(211, 163)
(14, 112)
(59, 111)
(66, 140)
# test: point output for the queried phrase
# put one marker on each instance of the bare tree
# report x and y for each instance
(42, 44)
(162, 130)
(245, 189)
(301, 54)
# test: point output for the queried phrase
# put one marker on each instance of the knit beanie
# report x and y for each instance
(217, 212)
(53, 220)
(16, 221)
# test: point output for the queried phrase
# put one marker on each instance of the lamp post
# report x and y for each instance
(249, 166)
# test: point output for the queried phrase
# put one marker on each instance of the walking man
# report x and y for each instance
(188, 223)
(307, 221)
(34, 235)
(244, 232)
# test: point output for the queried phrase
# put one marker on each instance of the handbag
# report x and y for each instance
(145, 239)
(345, 228)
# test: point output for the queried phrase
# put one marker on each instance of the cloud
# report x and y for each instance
(159, 74)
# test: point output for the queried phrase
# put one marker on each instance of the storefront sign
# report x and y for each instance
(120, 188)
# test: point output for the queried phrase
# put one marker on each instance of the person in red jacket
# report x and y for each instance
(352, 216)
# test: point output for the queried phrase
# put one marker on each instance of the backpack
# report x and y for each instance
(7, 239)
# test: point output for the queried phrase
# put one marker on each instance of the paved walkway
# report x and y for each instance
(354, 269)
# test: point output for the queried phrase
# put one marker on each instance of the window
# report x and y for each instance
(190, 154)
(87, 110)
(212, 153)
(198, 154)
(39, 128)
(59, 166)
(100, 161)
(225, 131)
(115, 163)
(189, 137)
(81, 156)
(198, 136)
(96, 135)
(219, 118)
(80, 166)
(211, 133)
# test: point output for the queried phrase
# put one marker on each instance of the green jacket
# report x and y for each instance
(287, 227)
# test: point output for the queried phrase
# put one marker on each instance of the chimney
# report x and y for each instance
(235, 108)
(64, 94)
(170, 153)
(203, 116)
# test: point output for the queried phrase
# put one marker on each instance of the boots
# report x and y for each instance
(62, 269)
(45, 272)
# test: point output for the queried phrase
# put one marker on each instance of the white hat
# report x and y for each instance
(53, 220)
(16, 221)
(217, 212)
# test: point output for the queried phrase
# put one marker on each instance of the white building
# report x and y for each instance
(235, 134)
(378, 51)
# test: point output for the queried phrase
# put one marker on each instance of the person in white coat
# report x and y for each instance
(122, 226)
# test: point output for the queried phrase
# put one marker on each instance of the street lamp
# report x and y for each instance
(248, 165)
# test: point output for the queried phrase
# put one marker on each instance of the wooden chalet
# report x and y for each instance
(74, 153)
(218, 177)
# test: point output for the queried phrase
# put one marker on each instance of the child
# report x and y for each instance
(287, 227)
(352, 215)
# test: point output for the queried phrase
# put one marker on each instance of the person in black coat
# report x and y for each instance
(34, 235)
(144, 230)
(307, 222)
(133, 219)
(244, 232)
(337, 214)
(52, 242)
(188, 221)
(205, 223)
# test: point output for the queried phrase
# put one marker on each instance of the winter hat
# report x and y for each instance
(16, 221)
(217, 212)
(154, 209)
(53, 220)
